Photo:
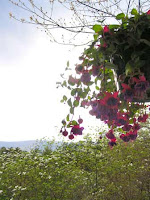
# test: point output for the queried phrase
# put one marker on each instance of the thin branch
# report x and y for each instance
(128, 6)
(96, 9)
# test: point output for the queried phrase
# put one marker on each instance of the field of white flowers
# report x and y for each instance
(77, 171)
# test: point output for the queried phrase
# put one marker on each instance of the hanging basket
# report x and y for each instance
(130, 45)
(113, 79)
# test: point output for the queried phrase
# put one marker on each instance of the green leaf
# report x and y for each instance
(74, 122)
(76, 103)
(95, 36)
(97, 28)
(110, 65)
(89, 98)
(67, 118)
(114, 26)
(90, 83)
(72, 110)
(64, 84)
(73, 92)
(97, 88)
(64, 98)
(120, 16)
(70, 83)
(68, 63)
(128, 69)
(69, 102)
(83, 94)
(145, 41)
(134, 11)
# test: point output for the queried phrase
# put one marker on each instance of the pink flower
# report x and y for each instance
(142, 118)
(133, 135)
(125, 137)
(104, 45)
(73, 80)
(77, 130)
(126, 127)
(110, 100)
(85, 103)
(121, 119)
(71, 136)
(96, 70)
(112, 143)
(136, 127)
(141, 86)
(77, 98)
(148, 12)
(106, 29)
(79, 69)
(127, 92)
(85, 78)
(80, 121)
(110, 135)
(65, 133)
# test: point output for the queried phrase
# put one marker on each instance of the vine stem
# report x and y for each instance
(104, 76)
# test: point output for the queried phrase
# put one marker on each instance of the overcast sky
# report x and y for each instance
(30, 66)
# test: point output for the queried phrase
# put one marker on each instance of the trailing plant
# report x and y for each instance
(113, 78)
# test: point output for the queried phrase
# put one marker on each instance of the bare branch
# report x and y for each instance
(74, 16)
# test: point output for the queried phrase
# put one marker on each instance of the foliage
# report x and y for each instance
(85, 170)
(117, 49)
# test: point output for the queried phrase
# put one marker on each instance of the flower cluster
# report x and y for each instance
(75, 128)
(113, 78)
(108, 109)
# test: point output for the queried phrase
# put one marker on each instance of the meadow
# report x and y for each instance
(85, 170)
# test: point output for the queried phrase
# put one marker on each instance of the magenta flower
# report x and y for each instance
(79, 69)
(141, 86)
(128, 93)
(110, 100)
(77, 130)
(133, 135)
(126, 127)
(80, 121)
(77, 98)
(85, 78)
(121, 119)
(65, 133)
(112, 142)
(125, 137)
(96, 70)
(104, 45)
(85, 103)
(71, 136)
(110, 135)
(106, 29)
(142, 118)
(148, 12)
(136, 127)
(73, 80)
(102, 111)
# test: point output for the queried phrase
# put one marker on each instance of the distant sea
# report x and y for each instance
(29, 144)
(23, 145)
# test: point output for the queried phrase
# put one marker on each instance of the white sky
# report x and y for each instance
(30, 66)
